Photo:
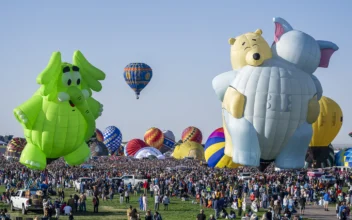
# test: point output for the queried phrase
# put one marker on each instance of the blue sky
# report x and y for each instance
(185, 42)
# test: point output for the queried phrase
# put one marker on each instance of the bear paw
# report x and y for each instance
(21, 116)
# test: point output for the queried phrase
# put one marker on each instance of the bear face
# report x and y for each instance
(249, 49)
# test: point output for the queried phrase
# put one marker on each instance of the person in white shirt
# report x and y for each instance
(67, 209)
(156, 202)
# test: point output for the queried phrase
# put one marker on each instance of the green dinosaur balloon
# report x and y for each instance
(60, 117)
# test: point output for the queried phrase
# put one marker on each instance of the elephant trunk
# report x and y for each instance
(78, 99)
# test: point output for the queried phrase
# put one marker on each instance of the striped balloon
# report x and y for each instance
(215, 151)
(133, 146)
(154, 137)
(169, 141)
(192, 134)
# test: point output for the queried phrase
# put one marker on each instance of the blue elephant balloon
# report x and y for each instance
(137, 76)
(112, 138)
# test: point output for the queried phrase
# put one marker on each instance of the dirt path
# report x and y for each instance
(317, 212)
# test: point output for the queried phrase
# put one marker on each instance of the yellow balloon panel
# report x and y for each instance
(189, 149)
(328, 124)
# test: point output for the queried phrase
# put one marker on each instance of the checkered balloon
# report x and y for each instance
(112, 138)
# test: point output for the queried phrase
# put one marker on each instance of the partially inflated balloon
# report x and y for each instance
(154, 137)
(15, 147)
(169, 141)
(133, 146)
(214, 151)
(189, 149)
(344, 158)
(328, 124)
(146, 152)
(137, 76)
(99, 135)
(192, 134)
(60, 117)
(320, 157)
(112, 138)
(98, 149)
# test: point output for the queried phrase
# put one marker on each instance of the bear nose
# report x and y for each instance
(256, 56)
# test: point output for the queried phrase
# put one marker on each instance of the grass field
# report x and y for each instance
(178, 209)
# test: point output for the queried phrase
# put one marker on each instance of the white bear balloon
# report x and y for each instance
(268, 109)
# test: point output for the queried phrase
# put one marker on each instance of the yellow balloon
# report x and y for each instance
(328, 124)
(189, 149)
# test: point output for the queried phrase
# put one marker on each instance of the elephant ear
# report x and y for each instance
(48, 77)
(89, 73)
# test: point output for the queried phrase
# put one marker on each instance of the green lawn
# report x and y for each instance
(114, 210)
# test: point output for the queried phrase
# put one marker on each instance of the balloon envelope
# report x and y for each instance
(112, 138)
(169, 141)
(189, 149)
(98, 149)
(320, 157)
(328, 124)
(99, 135)
(146, 152)
(154, 137)
(137, 76)
(15, 147)
(192, 134)
(214, 151)
(133, 146)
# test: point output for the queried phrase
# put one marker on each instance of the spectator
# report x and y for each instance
(166, 202)
(156, 202)
(201, 215)
(95, 204)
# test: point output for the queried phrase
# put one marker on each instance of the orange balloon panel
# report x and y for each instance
(328, 123)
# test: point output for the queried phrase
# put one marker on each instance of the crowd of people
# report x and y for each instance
(280, 195)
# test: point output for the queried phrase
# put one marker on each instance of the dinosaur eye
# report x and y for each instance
(69, 82)
(243, 43)
(78, 81)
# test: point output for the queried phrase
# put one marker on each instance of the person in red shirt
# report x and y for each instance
(145, 187)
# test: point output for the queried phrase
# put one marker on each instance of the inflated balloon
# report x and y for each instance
(189, 149)
(328, 124)
(169, 141)
(98, 149)
(133, 146)
(154, 137)
(137, 76)
(192, 134)
(15, 147)
(320, 157)
(146, 152)
(344, 158)
(112, 138)
(270, 105)
(60, 117)
(214, 151)
(99, 135)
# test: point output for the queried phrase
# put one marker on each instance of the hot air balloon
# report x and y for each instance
(112, 138)
(146, 152)
(325, 130)
(269, 105)
(188, 149)
(214, 151)
(154, 137)
(192, 134)
(344, 158)
(98, 149)
(99, 135)
(137, 76)
(15, 147)
(169, 141)
(133, 146)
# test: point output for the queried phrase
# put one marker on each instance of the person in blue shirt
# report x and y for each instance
(326, 199)
(342, 207)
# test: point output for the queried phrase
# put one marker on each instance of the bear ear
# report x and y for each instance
(232, 40)
(258, 32)
(281, 27)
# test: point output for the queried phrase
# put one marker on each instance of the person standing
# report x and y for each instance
(166, 202)
(127, 196)
(239, 206)
(57, 208)
(71, 202)
(145, 202)
(326, 199)
(201, 215)
(129, 211)
(302, 204)
(83, 199)
(156, 202)
(95, 203)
